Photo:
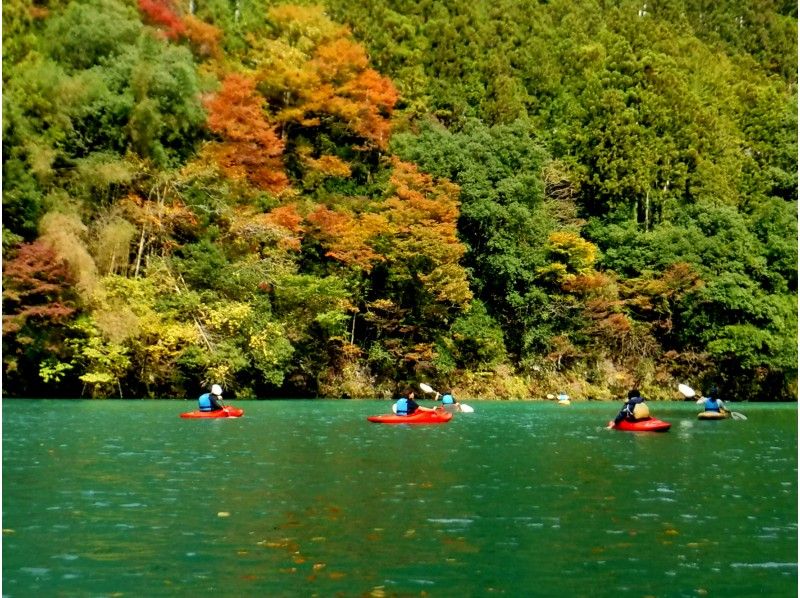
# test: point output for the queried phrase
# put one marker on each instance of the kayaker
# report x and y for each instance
(211, 401)
(406, 405)
(712, 402)
(634, 408)
(448, 398)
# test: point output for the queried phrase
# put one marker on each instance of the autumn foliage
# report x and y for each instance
(36, 286)
(203, 37)
(350, 238)
(236, 192)
(249, 147)
(163, 14)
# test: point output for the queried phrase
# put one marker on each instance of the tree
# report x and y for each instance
(38, 305)
(249, 146)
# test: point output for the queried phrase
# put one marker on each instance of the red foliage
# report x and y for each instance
(36, 284)
(163, 13)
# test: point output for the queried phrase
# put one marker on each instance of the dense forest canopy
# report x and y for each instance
(505, 198)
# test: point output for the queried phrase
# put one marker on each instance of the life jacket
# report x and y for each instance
(402, 406)
(711, 405)
(205, 402)
(448, 399)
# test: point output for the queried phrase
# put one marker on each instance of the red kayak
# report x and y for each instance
(440, 416)
(651, 424)
(226, 411)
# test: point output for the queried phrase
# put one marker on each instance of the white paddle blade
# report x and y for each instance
(686, 391)
(466, 409)
(394, 408)
(425, 387)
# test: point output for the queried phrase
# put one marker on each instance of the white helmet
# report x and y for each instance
(216, 389)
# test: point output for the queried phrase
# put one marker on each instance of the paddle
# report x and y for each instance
(688, 392)
(461, 407)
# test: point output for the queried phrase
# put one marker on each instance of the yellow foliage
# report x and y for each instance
(577, 253)
(227, 318)
(65, 233)
(263, 342)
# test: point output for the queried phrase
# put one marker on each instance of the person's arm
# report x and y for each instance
(421, 408)
(623, 413)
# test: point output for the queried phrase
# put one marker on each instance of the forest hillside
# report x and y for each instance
(506, 198)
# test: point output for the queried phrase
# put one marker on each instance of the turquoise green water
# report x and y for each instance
(307, 498)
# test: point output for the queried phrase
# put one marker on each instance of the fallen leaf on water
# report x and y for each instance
(672, 532)
(337, 575)
(223, 514)
(318, 566)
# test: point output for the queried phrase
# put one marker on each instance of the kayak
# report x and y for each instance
(651, 424)
(713, 415)
(440, 416)
(226, 411)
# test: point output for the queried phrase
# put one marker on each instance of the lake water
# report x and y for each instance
(307, 498)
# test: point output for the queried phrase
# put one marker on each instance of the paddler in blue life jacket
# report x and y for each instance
(406, 405)
(211, 401)
(448, 399)
(712, 402)
(634, 408)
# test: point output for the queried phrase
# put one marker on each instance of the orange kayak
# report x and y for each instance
(226, 411)
(440, 416)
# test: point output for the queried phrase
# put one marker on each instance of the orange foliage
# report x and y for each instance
(254, 232)
(339, 61)
(203, 37)
(287, 217)
(419, 200)
(375, 97)
(250, 147)
(336, 83)
(423, 213)
(347, 237)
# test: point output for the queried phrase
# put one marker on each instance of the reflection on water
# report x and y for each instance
(306, 497)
